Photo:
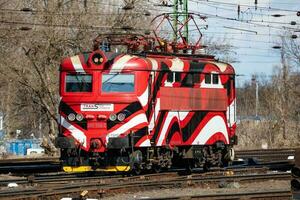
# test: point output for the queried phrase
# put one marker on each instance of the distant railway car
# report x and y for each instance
(123, 112)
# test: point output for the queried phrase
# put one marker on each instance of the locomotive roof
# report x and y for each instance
(148, 61)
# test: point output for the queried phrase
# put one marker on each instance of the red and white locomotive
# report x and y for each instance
(121, 112)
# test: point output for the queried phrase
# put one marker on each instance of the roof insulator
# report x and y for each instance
(293, 23)
(298, 13)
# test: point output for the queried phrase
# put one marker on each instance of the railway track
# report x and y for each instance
(29, 165)
(52, 164)
(60, 178)
(267, 155)
(59, 184)
(106, 186)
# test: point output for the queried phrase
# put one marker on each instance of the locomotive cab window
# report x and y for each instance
(211, 79)
(117, 82)
(78, 83)
(170, 77)
(177, 76)
(215, 78)
(207, 78)
(174, 77)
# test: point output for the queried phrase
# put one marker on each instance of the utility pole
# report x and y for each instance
(284, 91)
(254, 81)
(256, 98)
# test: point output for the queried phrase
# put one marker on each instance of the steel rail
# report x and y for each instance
(127, 184)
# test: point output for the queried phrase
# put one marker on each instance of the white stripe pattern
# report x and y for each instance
(177, 65)
(230, 113)
(75, 132)
(166, 125)
(213, 126)
(144, 97)
(146, 143)
(154, 68)
(154, 64)
(154, 116)
(77, 64)
(119, 64)
(220, 65)
(183, 115)
(140, 118)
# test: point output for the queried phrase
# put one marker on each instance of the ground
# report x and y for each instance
(227, 188)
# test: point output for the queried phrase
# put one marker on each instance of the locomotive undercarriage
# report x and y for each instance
(155, 159)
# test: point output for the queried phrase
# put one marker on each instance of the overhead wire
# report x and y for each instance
(236, 20)
(245, 5)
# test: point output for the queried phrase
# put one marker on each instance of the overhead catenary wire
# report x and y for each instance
(245, 5)
(252, 22)
(108, 27)
(141, 13)
(218, 16)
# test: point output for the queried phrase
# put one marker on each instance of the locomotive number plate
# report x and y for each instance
(92, 125)
(97, 107)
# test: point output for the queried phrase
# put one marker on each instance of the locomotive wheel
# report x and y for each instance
(228, 157)
(206, 166)
(189, 165)
(156, 168)
(136, 159)
(136, 170)
(231, 154)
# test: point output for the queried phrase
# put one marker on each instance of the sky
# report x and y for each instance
(252, 46)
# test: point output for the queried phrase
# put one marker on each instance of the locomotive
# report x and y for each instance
(145, 111)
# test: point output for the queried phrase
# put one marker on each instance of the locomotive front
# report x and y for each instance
(101, 104)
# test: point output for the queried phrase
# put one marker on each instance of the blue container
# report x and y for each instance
(11, 147)
(19, 147)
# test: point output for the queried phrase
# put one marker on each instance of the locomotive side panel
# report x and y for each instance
(185, 100)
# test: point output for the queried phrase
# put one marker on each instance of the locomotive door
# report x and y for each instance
(231, 112)
(151, 109)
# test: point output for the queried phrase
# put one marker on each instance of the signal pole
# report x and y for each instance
(186, 27)
(185, 15)
(175, 23)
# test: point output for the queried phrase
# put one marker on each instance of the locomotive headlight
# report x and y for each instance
(79, 117)
(113, 117)
(121, 116)
(71, 117)
(97, 59)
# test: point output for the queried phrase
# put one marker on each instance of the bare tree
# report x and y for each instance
(279, 101)
(34, 36)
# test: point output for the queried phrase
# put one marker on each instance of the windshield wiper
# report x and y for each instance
(110, 78)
